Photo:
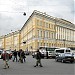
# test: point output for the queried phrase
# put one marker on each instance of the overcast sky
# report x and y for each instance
(11, 12)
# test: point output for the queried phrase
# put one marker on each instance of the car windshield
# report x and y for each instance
(59, 51)
(42, 48)
(0, 51)
(51, 49)
(7, 51)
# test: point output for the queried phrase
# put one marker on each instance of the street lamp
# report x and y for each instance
(24, 42)
(24, 14)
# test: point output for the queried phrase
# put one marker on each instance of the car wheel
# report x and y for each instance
(71, 61)
(56, 60)
(63, 61)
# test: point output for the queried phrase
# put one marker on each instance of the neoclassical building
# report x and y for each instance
(41, 30)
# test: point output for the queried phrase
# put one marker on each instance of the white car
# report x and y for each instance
(74, 56)
(64, 57)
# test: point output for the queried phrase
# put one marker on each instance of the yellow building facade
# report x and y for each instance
(10, 41)
(41, 30)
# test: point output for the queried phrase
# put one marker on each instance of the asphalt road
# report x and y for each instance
(50, 67)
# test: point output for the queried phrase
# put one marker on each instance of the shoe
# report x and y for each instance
(35, 66)
(40, 65)
(8, 66)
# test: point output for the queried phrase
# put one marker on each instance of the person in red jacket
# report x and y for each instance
(5, 59)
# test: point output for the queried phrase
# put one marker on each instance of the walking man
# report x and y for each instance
(19, 52)
(23, 56)
(5, 59)
(15, 55)
(38, 58)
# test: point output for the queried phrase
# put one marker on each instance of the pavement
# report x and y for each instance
(50, 67)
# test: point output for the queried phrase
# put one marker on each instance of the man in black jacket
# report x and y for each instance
(15, 55)
(38, 58)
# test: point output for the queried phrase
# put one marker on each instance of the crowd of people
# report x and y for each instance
(20, 54)
(20, 57)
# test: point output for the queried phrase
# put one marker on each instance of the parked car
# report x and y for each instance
(1, 53)
(9, 52)
(27, 52)
(51, 51)
(43, 51)
(74, 56)
(64, 55)
(47, 52)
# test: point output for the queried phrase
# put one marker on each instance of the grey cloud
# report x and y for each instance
(14, 20)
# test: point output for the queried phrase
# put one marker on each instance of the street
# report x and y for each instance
(50, 67)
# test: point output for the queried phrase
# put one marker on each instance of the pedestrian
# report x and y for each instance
(5, 57)
(15, 55)
(38, 58)
(22, 56)
(19, 54)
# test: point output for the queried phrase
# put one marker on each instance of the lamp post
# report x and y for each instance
(24, 42)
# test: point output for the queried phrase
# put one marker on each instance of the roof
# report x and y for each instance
(35, 12)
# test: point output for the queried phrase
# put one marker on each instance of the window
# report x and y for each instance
(37, 22)
(38, 32)
(60, 51)
(41, 23)
(51, 49)
(47, 34)
(49, 25)
(44, 34)
(41, 33)
(52, 26)
(46, 25)
(47, 44)
(52, 35)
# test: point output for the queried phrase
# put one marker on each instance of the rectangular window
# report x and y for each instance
(37, 22)
(47, 34)
(40, 23)
(44, 34)
(49, 25)
(46, 25)
(38, 32)
(41, 33)
(47, 44)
